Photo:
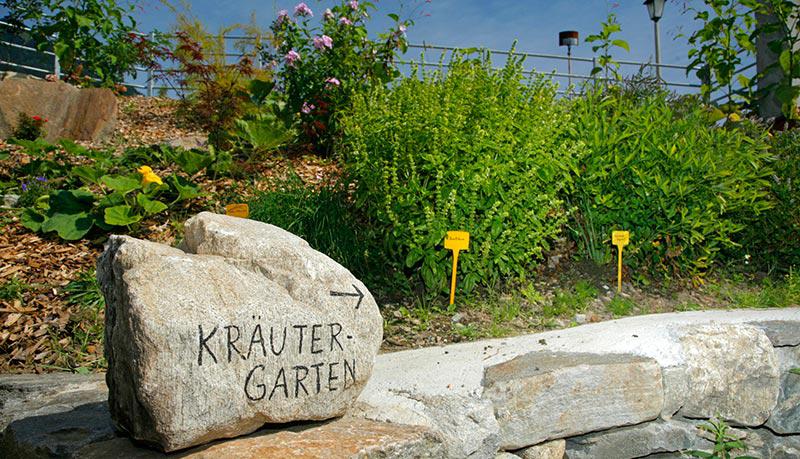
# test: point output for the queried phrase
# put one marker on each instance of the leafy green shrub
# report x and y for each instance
(476, 150)
(620, 306)
(570, 301)
(29, 127)
(93, 39)
(774, 239)
(683, 187)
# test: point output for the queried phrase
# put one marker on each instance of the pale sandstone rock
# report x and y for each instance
(553, 449)
(731, 371)
(71, 113)
(244, 332)
(543, 396)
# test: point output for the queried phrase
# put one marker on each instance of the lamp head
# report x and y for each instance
(655, 8)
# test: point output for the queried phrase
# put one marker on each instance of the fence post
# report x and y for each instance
(56, 67)
(150, 82)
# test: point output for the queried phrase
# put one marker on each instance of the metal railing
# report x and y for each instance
(145, 78)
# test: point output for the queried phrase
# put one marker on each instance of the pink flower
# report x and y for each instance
(307, 108)
(353, 4)
(283, 16)
(291, 58)
(343, 20)
(332, 81)
(328, 14)
(303, 10)
(323, 42)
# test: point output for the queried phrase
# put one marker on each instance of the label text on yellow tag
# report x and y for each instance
(455, 241)
(620, 239)
(237, 210)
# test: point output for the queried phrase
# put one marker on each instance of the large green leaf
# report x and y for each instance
(260, 90)
(89, 174)
(150, 206)
(186, 189)
(70, 227)
(71, 201)
(121, 183)
(121, 215)
(192, 161)
(31, 219)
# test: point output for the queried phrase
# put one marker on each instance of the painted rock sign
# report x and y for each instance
(247, 325)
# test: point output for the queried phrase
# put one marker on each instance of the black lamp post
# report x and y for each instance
(568, 38)
(656, 9)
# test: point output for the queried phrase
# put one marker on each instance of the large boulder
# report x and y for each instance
(71, 113)
(249, 325)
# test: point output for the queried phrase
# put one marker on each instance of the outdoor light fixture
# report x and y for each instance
(568, 38)
(656, 9)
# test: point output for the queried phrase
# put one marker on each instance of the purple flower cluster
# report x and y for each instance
(344, 21)
(291, 58)
(283, 16)
(303, 10)
(323, 42)
(25, 186)
(306, 109)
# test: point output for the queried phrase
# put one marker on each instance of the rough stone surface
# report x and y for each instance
(785, 418)
(466, 424)
(57, 434)
(195, 341)
(542, 396)
(505, 455)
(24, 396)
(780, 332)
(342, 438)
(553, 449)
(732, 372)
(764, 444)
(675, 387)
(638, 441)
(71, 113)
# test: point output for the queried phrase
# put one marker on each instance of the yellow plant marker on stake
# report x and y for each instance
(237, 210)
(620, 239)
(455, 241)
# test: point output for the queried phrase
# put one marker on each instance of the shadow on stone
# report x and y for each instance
(58, 434)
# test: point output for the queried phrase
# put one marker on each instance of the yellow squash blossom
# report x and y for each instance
(148, 176)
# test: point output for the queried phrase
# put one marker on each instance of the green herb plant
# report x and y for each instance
(29, 127)
(475, 149)
(725, 38)
(605, 42)
(724, 442)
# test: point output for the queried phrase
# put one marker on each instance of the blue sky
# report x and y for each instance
(481, 23)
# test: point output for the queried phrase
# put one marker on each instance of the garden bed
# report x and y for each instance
(51, 313)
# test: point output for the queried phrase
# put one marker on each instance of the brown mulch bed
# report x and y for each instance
(33, 325)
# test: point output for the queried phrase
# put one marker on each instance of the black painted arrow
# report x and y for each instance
(360, 295)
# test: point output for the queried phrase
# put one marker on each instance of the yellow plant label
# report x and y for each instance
(620, 238)
(237, 210)
(457, 240)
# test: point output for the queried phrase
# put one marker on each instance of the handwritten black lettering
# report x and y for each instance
(204, 344)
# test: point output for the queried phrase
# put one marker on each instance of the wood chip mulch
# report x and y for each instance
(31, 326)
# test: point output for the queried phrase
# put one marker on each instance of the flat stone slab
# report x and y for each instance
(543, 396)
(248, 325)
(338, 439)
